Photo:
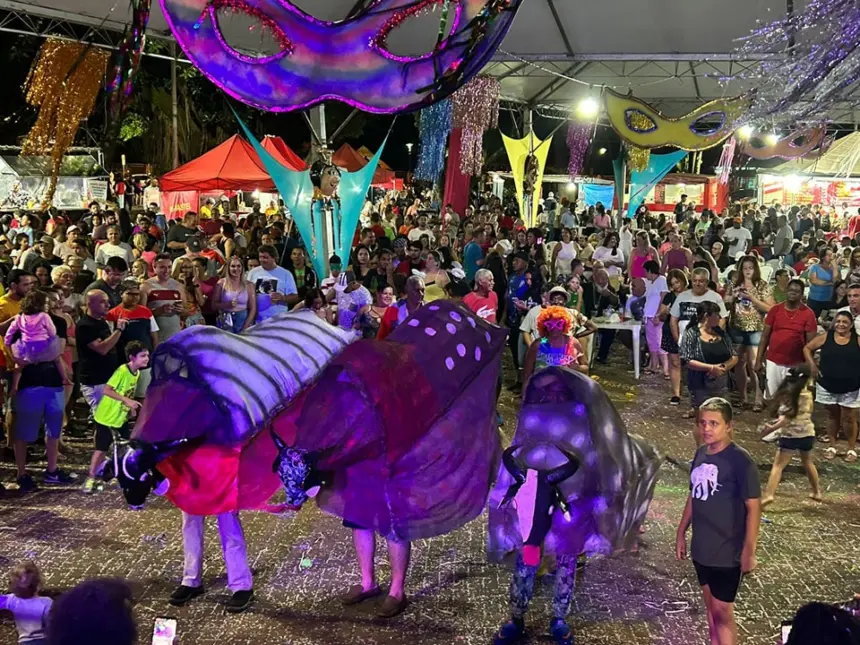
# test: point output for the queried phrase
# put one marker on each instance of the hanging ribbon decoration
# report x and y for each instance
(127, 61)
(578, 140)
(63, 83)
(727, 158)
(476, 109)
(641, 182)
(434, 127)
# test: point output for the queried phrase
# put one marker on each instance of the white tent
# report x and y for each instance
(673, 53)
(841, 159)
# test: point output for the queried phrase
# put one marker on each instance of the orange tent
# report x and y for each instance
(351, 160)
(276, 147)
(233, 165)
(365, 152)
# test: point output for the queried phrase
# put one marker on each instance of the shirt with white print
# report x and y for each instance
(720, 485)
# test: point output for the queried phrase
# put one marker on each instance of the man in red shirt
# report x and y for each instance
(483, 301)
(413, 259)
(788, 327)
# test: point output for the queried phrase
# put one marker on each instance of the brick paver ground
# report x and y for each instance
(807, 551)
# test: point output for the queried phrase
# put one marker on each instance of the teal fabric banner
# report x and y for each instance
(642, 182)
(297, 191)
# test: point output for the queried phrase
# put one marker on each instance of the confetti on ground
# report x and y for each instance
(807, 551)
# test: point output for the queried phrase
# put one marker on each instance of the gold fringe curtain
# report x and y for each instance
(63, 83)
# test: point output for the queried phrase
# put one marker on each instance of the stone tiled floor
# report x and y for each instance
(807, 551)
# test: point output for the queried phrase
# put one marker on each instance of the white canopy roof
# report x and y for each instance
(672, 53)
(842, 159)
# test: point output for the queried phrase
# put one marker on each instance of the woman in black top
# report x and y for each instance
(677, 281)
(838, 385)
(709, 355)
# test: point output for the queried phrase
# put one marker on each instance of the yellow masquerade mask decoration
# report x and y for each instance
(641, 125)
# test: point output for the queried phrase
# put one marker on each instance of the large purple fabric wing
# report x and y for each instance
(609, 494)
(406, 426)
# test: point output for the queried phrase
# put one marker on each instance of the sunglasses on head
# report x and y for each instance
(557, 324)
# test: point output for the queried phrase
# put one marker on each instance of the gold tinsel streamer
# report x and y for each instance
(63, 83)
(638, 158)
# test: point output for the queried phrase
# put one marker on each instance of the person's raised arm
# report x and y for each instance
(104, 345)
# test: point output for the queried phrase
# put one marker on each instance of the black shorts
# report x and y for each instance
(104, 436)
(353, 525)
(723, 582)
(803, 444)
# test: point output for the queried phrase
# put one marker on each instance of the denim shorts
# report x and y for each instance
(744, 338)
(35, 405)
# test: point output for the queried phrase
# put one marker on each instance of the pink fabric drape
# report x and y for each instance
(456, 183)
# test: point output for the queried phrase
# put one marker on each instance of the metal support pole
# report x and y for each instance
(174, 105)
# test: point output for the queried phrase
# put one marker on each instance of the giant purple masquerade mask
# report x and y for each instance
(348, 60)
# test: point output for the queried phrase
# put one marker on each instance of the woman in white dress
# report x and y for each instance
(562, 255)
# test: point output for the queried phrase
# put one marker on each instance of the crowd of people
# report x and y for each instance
(760, 301)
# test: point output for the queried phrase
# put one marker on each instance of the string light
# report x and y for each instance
(588, 108)
(745, 132)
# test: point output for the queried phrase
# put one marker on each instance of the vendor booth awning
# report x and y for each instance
(233, 165)
(276, 147)
(351, 160)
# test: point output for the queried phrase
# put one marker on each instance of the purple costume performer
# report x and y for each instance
(573, 481)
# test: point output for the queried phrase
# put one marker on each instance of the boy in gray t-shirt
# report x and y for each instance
(724, 509)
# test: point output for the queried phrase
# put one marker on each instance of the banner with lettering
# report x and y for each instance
(175, 204)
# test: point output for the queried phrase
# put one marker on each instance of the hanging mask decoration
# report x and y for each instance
(308, 60)
(641, 125)
(808, 142)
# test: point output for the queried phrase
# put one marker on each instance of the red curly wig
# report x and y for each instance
(555, 313)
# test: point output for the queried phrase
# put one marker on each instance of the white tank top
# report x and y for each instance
(566, 253)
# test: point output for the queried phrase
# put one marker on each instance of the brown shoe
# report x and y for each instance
(392, 606)
(357, 594)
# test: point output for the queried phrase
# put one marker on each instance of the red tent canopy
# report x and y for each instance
(276, 147)
(233, 165)
(349, 158)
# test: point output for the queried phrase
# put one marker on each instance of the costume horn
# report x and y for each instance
(560, 473)
(515, 471)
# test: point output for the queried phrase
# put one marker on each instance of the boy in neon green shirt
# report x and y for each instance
(114, 408)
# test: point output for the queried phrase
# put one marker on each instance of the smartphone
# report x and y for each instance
(785, 631)
(164, 631)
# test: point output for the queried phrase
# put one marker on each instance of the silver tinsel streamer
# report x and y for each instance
(578, 138)
(476, 109)
(434, 127)
(727, 159)
(814, 63)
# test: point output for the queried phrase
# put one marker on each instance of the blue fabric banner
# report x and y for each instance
(619, 172)
(297, 191)
(642, 182)
(593, 193)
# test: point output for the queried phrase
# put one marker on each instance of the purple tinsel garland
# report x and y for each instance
(806, 80)
(578, 139)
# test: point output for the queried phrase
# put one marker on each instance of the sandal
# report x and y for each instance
(823, 438)
(851, 456)
(758, 407)
(829, 453)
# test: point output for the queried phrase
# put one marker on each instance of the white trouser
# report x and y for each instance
(232, 545)
(775, 375)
